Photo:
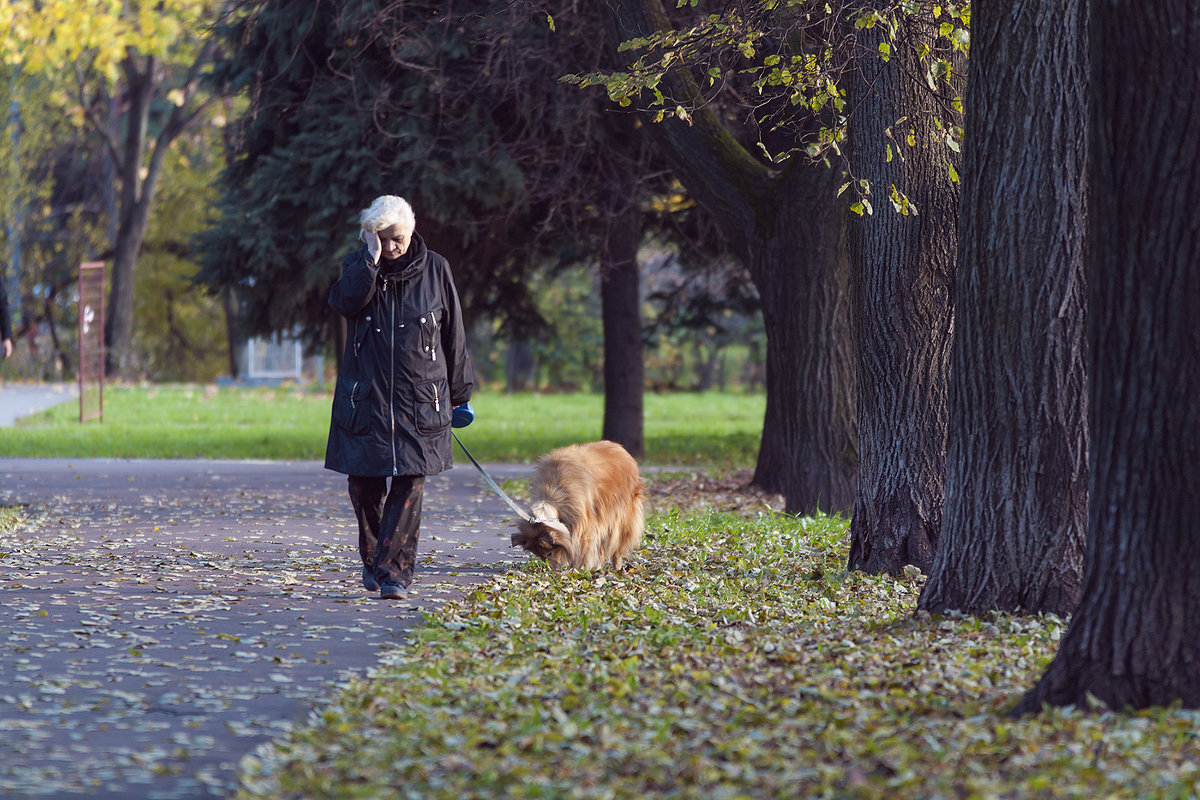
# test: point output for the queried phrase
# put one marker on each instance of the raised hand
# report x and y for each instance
(374, 246)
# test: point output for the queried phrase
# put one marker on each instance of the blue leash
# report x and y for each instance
(522, 514)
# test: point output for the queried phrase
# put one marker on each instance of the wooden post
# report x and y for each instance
(91, 339)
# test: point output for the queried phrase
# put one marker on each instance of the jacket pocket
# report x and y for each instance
(431, 413)
(431, 323)
(350, 401)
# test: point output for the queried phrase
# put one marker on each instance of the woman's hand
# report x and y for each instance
(462, 416)
(374, 246)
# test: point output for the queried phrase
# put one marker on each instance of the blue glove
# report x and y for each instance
(462, 416)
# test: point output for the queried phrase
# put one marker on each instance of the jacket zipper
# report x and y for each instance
(358, 337)
(392, 386)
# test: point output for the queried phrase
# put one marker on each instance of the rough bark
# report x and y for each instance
(786, 226)
(1016, 493)
(801, 268)
(903, 268)
(621, 312)
(1135, 639)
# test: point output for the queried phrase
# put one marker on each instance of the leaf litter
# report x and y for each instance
(153, 643)
(734, 657)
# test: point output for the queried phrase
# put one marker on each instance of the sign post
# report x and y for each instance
(91, 341)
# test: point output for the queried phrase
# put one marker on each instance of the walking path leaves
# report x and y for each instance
(162, 619)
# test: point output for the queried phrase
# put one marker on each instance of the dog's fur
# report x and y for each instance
(587, 507)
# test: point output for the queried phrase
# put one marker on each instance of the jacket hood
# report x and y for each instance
(407, 265)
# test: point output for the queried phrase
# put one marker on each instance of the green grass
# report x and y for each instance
(708, 429)
(733, 658)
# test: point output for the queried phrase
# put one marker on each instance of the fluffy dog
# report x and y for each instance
(586, 507)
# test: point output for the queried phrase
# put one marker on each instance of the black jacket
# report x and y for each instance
(405, 367)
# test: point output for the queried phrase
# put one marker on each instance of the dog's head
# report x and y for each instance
(548, 539)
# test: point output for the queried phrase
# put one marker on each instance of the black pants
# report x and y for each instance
(388, 523)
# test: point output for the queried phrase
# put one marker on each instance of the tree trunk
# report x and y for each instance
(1016, 493)
(622, 317)
(136, 200)
(802, 271)
(120, 301)
(235, 339)
(520, 367)
(1135, 639)
(787, 226)
(903, 267)
(139, 91)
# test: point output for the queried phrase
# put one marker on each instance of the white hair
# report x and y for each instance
(386, 211)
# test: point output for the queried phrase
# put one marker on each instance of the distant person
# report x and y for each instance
(6, 330)
(404, 371)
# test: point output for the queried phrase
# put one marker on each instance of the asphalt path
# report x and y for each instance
(159, 620)
(21, 399)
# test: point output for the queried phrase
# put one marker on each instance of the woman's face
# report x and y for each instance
(395, 242)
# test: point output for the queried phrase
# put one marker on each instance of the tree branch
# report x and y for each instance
(100, 125)
(696, 146)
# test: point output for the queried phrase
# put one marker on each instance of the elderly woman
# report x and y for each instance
(404, 370)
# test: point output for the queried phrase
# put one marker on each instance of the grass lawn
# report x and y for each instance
(705, 429)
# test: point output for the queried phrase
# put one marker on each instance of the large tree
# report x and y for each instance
(132, 77)
(620, 296)
(1134, 640)
(781, 216)
(458, 107)
(1016, 491)
(903, 258)
(323, 134)
(52, 221)
(590, 172)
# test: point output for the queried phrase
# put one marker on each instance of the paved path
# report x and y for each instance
(21, 399)
(160, 619)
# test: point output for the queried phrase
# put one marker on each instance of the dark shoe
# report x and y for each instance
(392, 591)
(369, 582)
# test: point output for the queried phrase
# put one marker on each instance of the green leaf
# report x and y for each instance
(901, 203)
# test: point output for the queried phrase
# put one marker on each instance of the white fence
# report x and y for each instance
(277, 358)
